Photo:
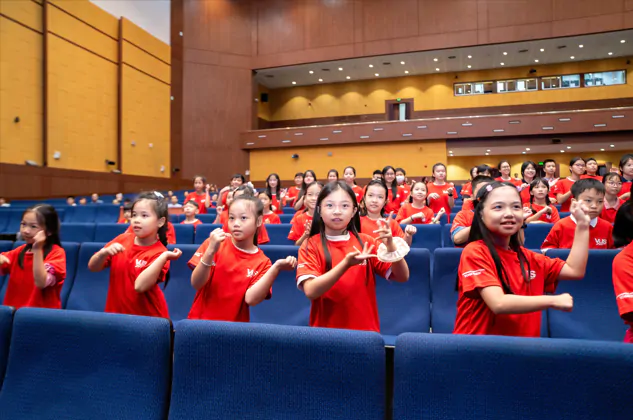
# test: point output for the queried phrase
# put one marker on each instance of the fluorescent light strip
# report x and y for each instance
(364, 137)
(421, 126)
(337, 131)
(467, 124)
(498, 130)
(250, 144)
(298, 134)
(599, 125)
(378, 129)
(548, 128)
(285, 141)
(262, 136)
(514, 122)
(451, 132)
(564, 119)
(324, 138)
(617, 116)
(407, 135)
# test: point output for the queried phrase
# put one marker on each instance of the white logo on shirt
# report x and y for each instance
(532, 275)
(626, 295)
(141, 263)
(198, 254)
(600, 242)
(473, 273)
(251, 273)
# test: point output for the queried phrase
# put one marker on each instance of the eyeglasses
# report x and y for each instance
(614, 184)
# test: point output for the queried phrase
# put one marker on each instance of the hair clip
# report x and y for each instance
(488, 187)
(159, 195)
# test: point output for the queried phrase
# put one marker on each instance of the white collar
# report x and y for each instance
(592, 223)
(338, 238)
(255, 251)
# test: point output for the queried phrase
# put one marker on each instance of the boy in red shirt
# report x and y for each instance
(590, 193)
(190, 209)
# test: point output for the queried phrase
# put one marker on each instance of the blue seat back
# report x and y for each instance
(456, 209)
(14, 220)
(184, 233)
(206, 218)
(6, 325)
(564, 214)
(447, 238)
(443, 291)
(176, 218)
(4, 247)
(105, 232)
(82, 214)
(90, 290)
(203, 232)
(107, 213)
(327, 373)
(179, 293)
(481, 377)
(595, 315)
(4, 218)
(78, 232)
(103, 366)
(278, 234)
(428, 236)
(286, 218)
(406, 307)
(289, 305)
(535, 234)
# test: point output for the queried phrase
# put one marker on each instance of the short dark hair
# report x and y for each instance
(478, 180)
(546, 161)
(193, 203)
(377, 172)
(299, 174)
(483, 168)
(583, 185)
(240, 176)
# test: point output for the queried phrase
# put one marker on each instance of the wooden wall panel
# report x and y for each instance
(389, 19)
(138, 58)
(329, 23)
(281, 26)
(441, 16)
(91, 14)
(137, 36)
(27, 13)
(573, 9)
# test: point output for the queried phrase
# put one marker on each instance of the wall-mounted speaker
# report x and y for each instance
(263, 97)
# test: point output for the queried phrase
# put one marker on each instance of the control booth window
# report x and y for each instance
(476, 88)
(605, 78)
(560, 82)
(517, 85)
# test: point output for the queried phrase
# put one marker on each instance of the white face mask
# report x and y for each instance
(400, 179)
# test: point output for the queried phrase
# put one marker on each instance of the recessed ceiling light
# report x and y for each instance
(487, 154)
(572, 57)
(488, 150)
(524, 152)
(610, 53)
(542, 49)
(348, 77)
(294, 83)
(469, 66)
(311, 72)
(450, 151)
(536, 61)
(612, 145)
(569, 147)
(435, 59)
(622, 41)
(402, 62)
(376, 74)
(406, 72)
(320, 80)
(470, 56)
(503, 64)
(562, 151)
(340, 69)
(602, 150)
(527, 148)
(371, 66)
(437, 69)
(505, 53)
(580, 46)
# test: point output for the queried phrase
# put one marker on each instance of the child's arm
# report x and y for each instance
(399, 269)
(207, 198)
(148, 278)
(201, 275)
(409, 231)
(534, 218)
(98, 260)
(299, 203)
(317, 286)
(576, 263)
(461, 236)
(258, 291)
(500, 303)
(39, 271)
(561, 198)
(306, 234)
(217, 221)
(439, 214)
(451, 198)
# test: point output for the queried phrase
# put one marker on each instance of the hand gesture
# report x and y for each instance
(419, 215)
(39, 240)
(172, 255)
(112, 250)
(4, 260)
(524, 186)
(215, 239)
(282, 193)
(219, 209)
(288, 263)
(307, 227)
(207, 188)
(450, 190)
(410, 230)
(434, 196)
(548, 210)
(580, 213)
(357, 257)
(384, 230)
(273, 208)
(563, 302)
(441, 211)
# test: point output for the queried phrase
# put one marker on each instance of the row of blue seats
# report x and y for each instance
(428, 236)
(427, 302)
(75, 365)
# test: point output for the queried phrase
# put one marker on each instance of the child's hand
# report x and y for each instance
(219, 209)
(215, 239)
(4, 260)
(548, 210)
(524, 185)
(581, 213)
(410, 230)
(39, 240)
(282, 194)
(441, 211)
(307, 226)
(419, 215)
(207, 188)
(563, 302)
(384, 231)
(288, 263)
(273, 208)
(266, 222)
(172, 255)
(553, 200)
(112, 250)
(357, 257)
(434, 196)
(450, 190)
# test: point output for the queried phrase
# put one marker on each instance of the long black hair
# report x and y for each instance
(479, 231)
(49, 221)
(623, 225)
(159, 204)
(374, 182)
(524, 166)
(304, 186)
(353, 171)
(318, 226)
(625, 159)
(256, 206)
(394, 184)
(535, 184)
(413, 186)
(269, 190)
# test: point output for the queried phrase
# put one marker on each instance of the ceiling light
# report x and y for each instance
(402, 62)
(572, 57)
(542, 49)
(488, 150)
(320, 80)
(503, 64)
(450, 151)
(524, 152)
(505, 53)
(562, 151)
(610, 53)
(348, 77)
(435, 59)
(371, 66)
(487, 154)
(376, 74)
(622, 41)
(580, 46)
(340, 69)
(536, 61)
(612, 145)
(470, 56)
(294, 83)
(437, 69)
(311, 72)
(527, 148)
(569, 147)
(469, 66)
(406, 72)
(602, 150)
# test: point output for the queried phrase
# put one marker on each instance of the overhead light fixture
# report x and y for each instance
(294, 83)
(524, 152)
(435, 59)
(503, 64)
(348, 77)
(622, 41)
(580, 46)
(340, 69)
(487, 154)
(602, 150)
(505, 53)
(609, 53)
(527, 148)
(450, 151)
(562, 151)
(437, 69)
(542, 49)
(406, 72)
(320, 80)
(612, 145)
(371, 66)
(376, 74)
(470, 56)
(572, 57)
(488, 150)
(536, 61)
(569, 147)
(402, 62)
(469, 66)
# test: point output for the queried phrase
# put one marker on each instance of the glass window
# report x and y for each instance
(605, 78)
(560, 82)
(478, 88)
(518, 85)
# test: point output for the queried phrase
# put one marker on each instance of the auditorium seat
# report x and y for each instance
(206, 218)
(289, 305)
(278, 234)
(107, 213)
(447, 238)
(176, 218)
(13, 222)
(77, 365)
(4, 247)
(105, 232)
(82, 214)
(286, 218)
(440, 376)
(179, 293)
(428, 236)
(203, 232)
(535, 234)
(406, 307)
(564, 214)
(444, 219)
(6, 325)
(226, 370)
(443, 289)
(184, 233)
(595, 315)
(456, 209)
(4, 218)
(78, 232)
(89, 289)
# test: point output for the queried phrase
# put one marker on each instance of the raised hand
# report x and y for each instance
(410, 230)
(173, 255)
(357, 257)
(384, 230)
(581, 213)
(39, 240)
(288, 263)
(434, 196)
(419, 215)
(282, 194)
(564, 302)
(112, 250)
(216, 238)
(4, 260)
(307, 227)
(207, 188)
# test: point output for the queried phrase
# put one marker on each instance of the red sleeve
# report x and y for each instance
(623, 280)
(402, 214)
(396, 230)
(171, 234)
(262, 235)
(626, 187)
(476, 270)
(555, 215)
(195, 259)
(553, 237)
(383, 269)
(56, 260)
(459, 221)
(309, 261)
(12, 256)
(428, 215)
(550, 267)
(262, 268)
(276, 219)
(557, 188)
(297, 229)
(224, 195)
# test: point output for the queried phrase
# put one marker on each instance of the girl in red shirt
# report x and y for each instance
(302, 222)
(441, 192)
(622, 273)
(223, 219)
(416, 211)
(230, 273)
(504, 169)
(562, 188)
(612, 186)
(332, 175)
(349, 175)
(336, 265)
(626, 168)
(293, 192)
(528, 173)
(37, 269)
(138, 261)
(268, 215)
(373, 210)
(278, 194)
(308, 178)
(403, 187)
(591, 165)
(501, 284)
(394, 198)
(200, 194)
(467, 189)
(539, 208)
